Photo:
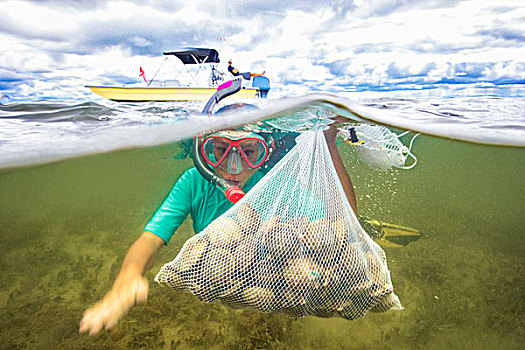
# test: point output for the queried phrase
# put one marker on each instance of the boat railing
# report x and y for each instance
(164, 83)
(215, 77)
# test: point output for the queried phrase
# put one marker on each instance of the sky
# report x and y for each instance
(51, 49)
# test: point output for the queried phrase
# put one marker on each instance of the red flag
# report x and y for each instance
(142, 74)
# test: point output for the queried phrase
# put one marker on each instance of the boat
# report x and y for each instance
(174, 90)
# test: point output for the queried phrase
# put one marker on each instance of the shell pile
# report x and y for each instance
(295, 266)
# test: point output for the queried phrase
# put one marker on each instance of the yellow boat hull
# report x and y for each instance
(143, 94)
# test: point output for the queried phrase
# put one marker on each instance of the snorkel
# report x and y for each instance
(233, 193)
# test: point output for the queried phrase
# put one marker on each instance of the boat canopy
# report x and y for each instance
(196, 56)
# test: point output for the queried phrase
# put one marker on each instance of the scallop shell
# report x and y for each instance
(302, 273)
(379, 291)
(234, 299)
(248, 218)
(192, 252)
(321, 240)
(363, 301)
(356, 306)
(354, 261)
(298, 310)
(350, 310)
(318, 299)
(234, 302)
(224, 232)
(293, 301)
(325, 313)
(340, 229)
(281, 242)
(389, 301)
(270, 223)
(268, 275)
(246, 253)
(299, 223)
(219, 275)
(378, 274)
(260, 298)
(346, 279)
(173, 277)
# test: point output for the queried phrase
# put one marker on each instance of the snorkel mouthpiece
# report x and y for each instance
(234, 194)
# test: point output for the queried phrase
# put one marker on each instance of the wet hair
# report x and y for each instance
(237, 106)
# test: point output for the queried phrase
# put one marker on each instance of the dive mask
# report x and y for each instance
(231, 150)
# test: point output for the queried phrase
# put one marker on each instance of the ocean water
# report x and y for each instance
(78, 182)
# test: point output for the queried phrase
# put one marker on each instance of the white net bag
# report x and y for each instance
(292, 245)
(379, 147)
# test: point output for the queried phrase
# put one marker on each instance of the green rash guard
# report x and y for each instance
(192, 194)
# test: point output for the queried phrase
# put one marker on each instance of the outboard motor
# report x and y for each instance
(263, 84)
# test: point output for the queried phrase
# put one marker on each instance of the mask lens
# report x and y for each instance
(254, 151)
(214, 150)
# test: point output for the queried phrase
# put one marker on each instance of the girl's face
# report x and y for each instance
(235, 156)
(238, 179)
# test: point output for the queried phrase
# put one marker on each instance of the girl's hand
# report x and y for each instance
(114, 305)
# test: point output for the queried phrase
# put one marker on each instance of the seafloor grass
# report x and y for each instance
(65, 228)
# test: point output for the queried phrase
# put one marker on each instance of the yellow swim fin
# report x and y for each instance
(389, 235)
(357, 143)
(352, 138)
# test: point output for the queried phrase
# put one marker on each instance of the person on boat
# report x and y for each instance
(237, 156)
(247, 75)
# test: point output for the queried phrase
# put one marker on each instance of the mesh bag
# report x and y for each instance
(292, 245)
(379, 147)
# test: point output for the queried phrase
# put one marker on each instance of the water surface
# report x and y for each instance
(65, 227)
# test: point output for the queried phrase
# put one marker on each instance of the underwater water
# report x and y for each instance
(66, 226)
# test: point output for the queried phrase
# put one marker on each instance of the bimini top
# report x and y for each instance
(196, 56)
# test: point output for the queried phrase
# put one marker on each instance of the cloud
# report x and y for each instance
(292, 76)
(430, 76)
(373, 47)
(383, 8)
(9, 76)
(502, 9)
(335, 45)
(431, 46)
(505, 34)
(140, 41)
(472, 70)
(166, 5)
(142, 29)
(395, 72)
(339, 67)
(277, 8)
(19, 29)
